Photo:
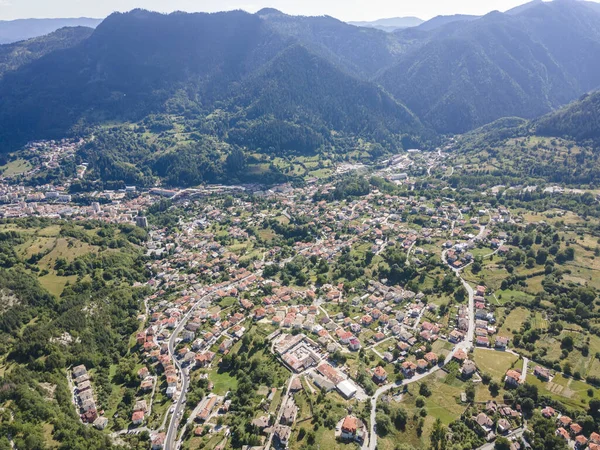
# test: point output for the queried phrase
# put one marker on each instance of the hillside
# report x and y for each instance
(579, 120)
(22, 29)
(523, 64)
(13, 56)
(440, 21)
(359, 51)
(141, 63)
(560, 147)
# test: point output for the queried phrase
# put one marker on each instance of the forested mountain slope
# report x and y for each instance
(22, 29)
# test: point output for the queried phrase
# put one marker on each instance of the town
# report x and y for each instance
(349, 309)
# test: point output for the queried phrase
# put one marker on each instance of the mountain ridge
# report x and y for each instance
(22, 29)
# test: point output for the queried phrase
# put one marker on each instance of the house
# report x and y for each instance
(580, 442)
(482, 341)
(158, 442)
(548, 412)
(431, 358)
(468, 368)
(352, 429)
(282, 433)
(141, 405)
(460, 355)
(408, 368)
(512, 378)
(504, 426)
(455, 337)
(204, 359)
(542, 373)
(484, 422)
(100, 423)
(565, 421)
(422, 365)
(595, 438)
(147, 384)
(86, 405)
(379, 374)
(79, 371)
(143, 373)
(290, 411)
(90, 415)
(138, 417)
(501, 342)
(563, 433)
(354, 344)
(575, 429)
(261, 422)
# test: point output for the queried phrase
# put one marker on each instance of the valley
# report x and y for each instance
(263, 231)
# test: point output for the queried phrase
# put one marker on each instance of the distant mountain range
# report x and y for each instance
(21, 29)
(390, 24)
(273, 81)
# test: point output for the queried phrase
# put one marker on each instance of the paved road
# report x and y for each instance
(387, 387)
(185, 376)
(284, 400)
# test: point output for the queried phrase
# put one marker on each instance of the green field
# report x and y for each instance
(495, 363)
(16, 167)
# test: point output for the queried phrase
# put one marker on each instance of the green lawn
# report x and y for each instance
(495, 363)
(15, 167)
(513, 322)
(223, 382)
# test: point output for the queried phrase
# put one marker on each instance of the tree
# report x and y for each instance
(438, 435)
(502, 444)
(400, 419)
(424, 390)
(384, 424)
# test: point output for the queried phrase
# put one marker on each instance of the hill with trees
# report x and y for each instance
(579, 120)
(279, 84)
(523, 64)
(22, 29)
(14, 56)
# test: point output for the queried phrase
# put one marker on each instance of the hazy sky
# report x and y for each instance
(342, 9)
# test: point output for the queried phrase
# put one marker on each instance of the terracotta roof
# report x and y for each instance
(350, 424)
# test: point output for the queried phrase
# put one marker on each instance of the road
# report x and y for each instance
(387, 387)
(465, 345)
(284, 400)
(185, 376)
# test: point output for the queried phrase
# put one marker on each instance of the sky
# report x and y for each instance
(342, 9)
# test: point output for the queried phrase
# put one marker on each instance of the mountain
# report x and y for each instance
(440, 21)
(390, 24)
(359, 51)
(13, 56)
(142, 63)
(524, 64)
(21, 29)
(579, 120)
(521, 8)
(301, 88)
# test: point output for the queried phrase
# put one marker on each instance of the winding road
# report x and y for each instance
(464, 345)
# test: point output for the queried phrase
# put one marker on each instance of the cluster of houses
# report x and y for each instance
(85, 398)
(497, 420)
(571, 431)
(281, 430)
